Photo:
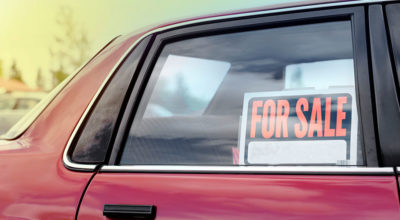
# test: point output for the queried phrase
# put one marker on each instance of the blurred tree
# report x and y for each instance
(15, 73)
(1, 69)
(71, 47)
(59, 75)
(40, 80)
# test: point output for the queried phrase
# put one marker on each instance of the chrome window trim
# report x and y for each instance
(91, 167)
(329, 170)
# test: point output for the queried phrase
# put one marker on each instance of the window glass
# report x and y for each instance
(280, 96)
(393, 16)
(186, 86)
(92, 144)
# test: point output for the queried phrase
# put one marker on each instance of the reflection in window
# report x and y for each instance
(318, 75)
(185, 86)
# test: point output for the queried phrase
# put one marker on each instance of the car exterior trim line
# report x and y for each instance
(331, 170)
(91, 167)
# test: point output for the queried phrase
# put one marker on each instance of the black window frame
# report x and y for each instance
(386, 89)
(355, 14)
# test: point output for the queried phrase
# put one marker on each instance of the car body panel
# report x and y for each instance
(35, 183)
(245, 196)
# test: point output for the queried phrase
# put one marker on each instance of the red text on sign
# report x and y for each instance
(273, 122)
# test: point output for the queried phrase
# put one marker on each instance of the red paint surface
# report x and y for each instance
(229, 196)
(34, 184)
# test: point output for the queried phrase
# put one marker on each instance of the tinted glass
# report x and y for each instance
(264, 97)
(393, 16)
(95, 137)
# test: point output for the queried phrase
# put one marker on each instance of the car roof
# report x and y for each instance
(273, 6)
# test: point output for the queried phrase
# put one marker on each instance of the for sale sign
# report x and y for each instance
(299, 127)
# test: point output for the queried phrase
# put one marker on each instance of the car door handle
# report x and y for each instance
(146, 212)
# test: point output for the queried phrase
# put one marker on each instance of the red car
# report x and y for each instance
(285, 112)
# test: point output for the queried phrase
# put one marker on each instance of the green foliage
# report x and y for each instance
(70, 49)
(15, 73)
(59, 75)
(40, 83)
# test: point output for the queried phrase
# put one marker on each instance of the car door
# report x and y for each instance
(254, 116)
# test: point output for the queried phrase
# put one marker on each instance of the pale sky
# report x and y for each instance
(28, 27)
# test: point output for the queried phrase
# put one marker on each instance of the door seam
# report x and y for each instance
(85, 189)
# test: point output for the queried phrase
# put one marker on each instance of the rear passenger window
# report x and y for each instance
(279, 96)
